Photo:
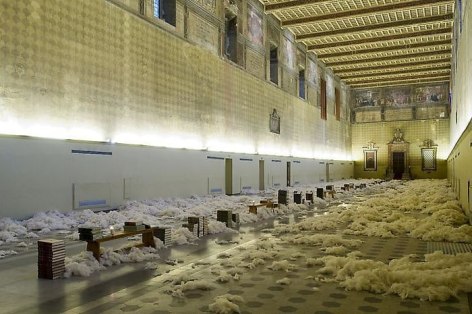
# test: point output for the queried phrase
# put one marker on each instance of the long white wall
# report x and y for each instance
(42, 174)
(460, 158)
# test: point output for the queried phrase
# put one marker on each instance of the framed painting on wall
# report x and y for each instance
(370, 160)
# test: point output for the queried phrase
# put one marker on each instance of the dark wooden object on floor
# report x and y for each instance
(147, 240)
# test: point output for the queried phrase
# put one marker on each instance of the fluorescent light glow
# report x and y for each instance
(51, 131)
(229, 146)
(161, 140)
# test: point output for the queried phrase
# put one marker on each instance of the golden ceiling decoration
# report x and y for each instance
(370, 43)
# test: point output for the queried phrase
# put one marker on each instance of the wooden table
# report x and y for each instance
(147, 240)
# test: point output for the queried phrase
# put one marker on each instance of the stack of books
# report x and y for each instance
(197, 222)
(133, 226)
(225, 216)
(205, 226)
(51, 255)
(90, 233)
(163, 234)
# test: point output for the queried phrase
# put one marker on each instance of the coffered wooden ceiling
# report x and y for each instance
(370, 43)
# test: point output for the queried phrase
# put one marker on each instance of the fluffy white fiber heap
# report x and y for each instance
(438, 277)
(84, 264)
(424, 209)
(180, 289)
(226, 304)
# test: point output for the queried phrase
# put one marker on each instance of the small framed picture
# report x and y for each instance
(370, 160)
(274, 122)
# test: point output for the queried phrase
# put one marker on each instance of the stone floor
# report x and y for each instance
(131, 288)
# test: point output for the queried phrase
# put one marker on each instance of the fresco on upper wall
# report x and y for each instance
(431, 94)
(329, 86)
(289, 53)
(312, 73)
(254, 26)
(397, 97)
(367, 98)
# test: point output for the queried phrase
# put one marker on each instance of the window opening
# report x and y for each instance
(301, 84)
(274, 65)
(337, 107)
(231, 33)
(164, 10)
(323, 100)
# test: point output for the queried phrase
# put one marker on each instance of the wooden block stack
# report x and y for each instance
(90, 233)
(225, 216)
(132, 226)
(163, 234)
(51, 255)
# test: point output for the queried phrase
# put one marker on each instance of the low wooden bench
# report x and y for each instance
(147, 240)
(266, 203)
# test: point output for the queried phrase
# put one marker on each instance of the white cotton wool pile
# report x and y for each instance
(438, 277)
(324, 240)
(336, 250)
(218, 227)
(5, 253)
(282, 265)
(83, 264)
(226, 304)
(224, 277)
(182, 236)
(284, 281)
(179, 290)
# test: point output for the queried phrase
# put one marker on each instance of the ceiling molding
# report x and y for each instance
(375, 27)
(394, 79)
(430, 43)
(386, 72)
(393, 66)
(393, 57)
(380, 9)
(406, 76)
(291, 4)
(447, 30)
(403, 83)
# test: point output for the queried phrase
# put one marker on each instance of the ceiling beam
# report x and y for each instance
(393, 66)
(291, 4)
(429, 43)
(365, 11)
(387, 83)
(351, 76)
(392, 79)
(376, 27)
(393, 57)
(396, 77)
(405, 67)
(447, 30)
